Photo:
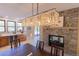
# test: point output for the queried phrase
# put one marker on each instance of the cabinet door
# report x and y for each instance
(4, 41)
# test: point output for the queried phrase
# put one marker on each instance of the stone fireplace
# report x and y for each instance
(56, 40)
(70, 37)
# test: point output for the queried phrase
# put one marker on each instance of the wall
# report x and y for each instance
(69, 31)
(29, 32)
(30, 35)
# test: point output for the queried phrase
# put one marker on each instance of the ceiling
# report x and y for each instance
(22, 10)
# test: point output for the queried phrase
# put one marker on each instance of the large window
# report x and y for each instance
(19, 27)
(37, 30)
(2, 26)
(11, 26)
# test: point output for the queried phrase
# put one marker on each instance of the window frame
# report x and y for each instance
(3, 26)
(11, 26)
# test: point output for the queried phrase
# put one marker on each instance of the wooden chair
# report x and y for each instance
(11, 41)
(15, 41)
(19, 41)
(57, 51)
(40, 45)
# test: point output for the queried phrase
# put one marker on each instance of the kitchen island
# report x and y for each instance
(4, 38)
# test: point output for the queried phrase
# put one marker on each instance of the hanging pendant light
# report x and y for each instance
(48, 18)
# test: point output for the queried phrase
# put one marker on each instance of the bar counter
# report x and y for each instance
(4, 38)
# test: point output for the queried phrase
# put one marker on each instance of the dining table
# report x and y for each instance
(24, 50)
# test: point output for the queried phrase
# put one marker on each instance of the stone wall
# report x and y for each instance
(69, 30)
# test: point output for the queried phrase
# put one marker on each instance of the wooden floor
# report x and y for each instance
(23, 50)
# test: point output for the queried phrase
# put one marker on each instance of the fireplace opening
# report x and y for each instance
(56, 40)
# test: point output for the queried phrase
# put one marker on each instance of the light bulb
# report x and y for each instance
(39, 23)
(48, 20)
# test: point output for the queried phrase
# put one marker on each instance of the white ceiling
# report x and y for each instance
(21, 10)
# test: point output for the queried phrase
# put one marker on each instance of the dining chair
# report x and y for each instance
(57, 50)
(40, 45)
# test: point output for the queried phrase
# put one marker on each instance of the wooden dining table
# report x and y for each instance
(24, 50)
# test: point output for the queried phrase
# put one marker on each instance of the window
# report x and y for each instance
(19, 27)
(37, 30)
(2, 26)
(11, 26)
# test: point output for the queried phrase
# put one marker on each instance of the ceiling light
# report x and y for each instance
(47, 18)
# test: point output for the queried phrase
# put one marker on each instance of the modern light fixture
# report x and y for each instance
(46, 18)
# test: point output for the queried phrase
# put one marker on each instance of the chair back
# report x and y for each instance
(10, 38)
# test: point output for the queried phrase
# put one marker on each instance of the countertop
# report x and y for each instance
(9, 34)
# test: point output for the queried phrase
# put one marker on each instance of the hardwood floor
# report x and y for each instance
(23, 50)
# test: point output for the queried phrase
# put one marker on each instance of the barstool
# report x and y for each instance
(15, 41)
(18, 39)
(11, 41)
